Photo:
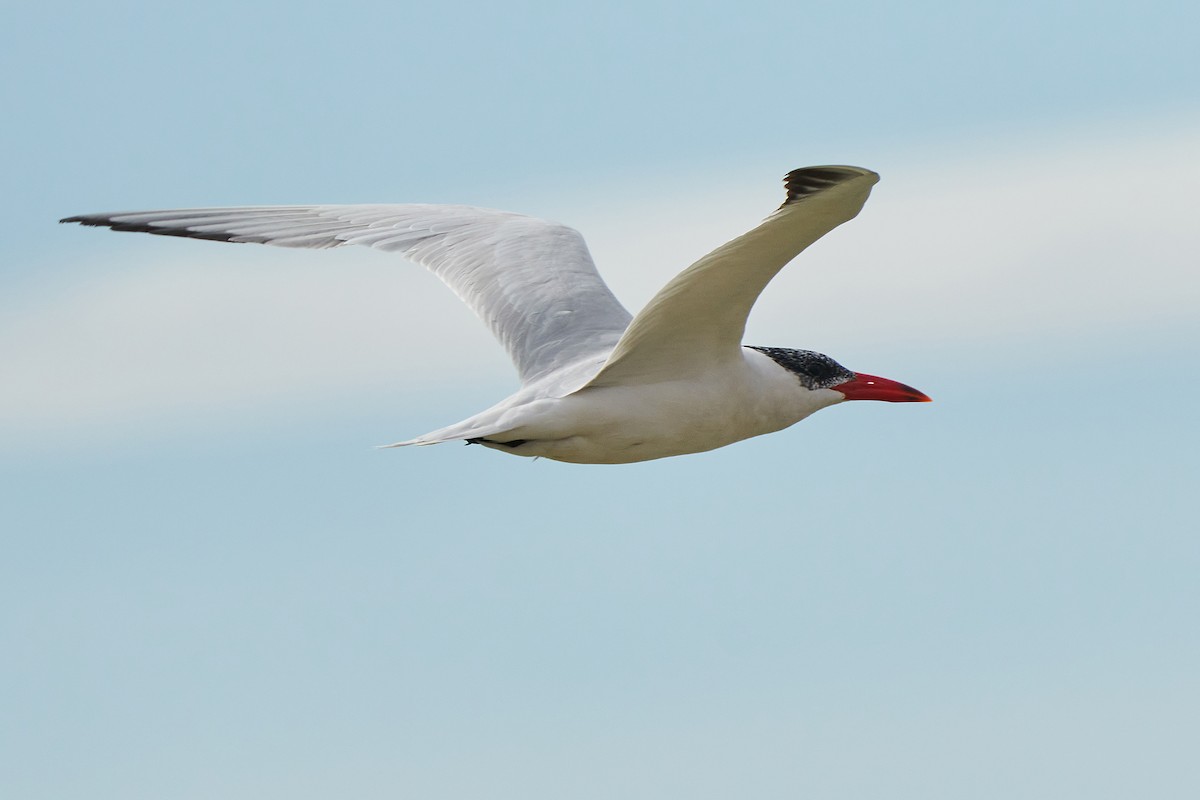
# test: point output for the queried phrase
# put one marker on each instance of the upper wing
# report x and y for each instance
(533, 282)
(699, 317)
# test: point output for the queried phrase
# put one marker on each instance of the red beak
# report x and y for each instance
(870, 387)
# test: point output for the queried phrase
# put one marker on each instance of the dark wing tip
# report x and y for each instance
(87, 219)
(807, 181)
(110, 221)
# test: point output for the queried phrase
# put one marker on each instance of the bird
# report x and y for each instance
(598, 385)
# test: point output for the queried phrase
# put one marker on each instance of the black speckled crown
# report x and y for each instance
(815, 370)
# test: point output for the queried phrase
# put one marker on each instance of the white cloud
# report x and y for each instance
(1037, 242)
(1040, 241)
(197, 329)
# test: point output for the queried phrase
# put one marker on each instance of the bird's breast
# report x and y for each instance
(619, 424)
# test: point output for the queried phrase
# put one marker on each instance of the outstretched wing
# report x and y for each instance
(533, 282)
(698, 318)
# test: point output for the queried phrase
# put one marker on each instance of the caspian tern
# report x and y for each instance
(598, 386)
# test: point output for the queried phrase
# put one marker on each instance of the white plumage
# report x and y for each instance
(598, 385)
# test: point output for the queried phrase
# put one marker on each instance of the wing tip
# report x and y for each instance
(93, 220)
(111, 222)
(808, 181)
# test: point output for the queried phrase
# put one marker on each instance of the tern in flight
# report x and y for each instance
(598, 386)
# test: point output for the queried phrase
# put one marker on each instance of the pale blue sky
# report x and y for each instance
(211, 586)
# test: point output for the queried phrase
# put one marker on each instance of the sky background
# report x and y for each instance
(212, 586)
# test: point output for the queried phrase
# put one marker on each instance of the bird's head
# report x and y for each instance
(819, 371)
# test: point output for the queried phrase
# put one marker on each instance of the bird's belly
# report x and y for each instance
(618, 425)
